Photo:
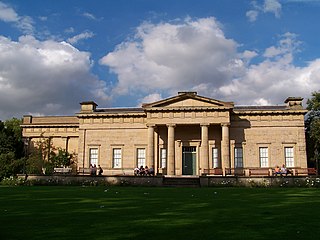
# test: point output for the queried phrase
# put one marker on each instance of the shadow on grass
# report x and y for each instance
(158, 213)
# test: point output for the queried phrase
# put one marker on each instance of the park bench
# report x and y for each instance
(305, 171)
(213, 171)
(235, 171)
(259, 172)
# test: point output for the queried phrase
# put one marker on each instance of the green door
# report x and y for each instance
(189, 157)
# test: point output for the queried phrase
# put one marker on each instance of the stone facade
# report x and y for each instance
(186, 134)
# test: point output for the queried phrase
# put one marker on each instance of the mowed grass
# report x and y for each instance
(158, 213)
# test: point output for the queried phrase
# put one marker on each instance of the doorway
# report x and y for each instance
(189, 157)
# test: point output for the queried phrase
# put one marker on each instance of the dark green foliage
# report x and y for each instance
(11, 148)
(312, 124)
(158, 213)
(45, 157)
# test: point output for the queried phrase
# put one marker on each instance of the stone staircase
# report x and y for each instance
(181, 181)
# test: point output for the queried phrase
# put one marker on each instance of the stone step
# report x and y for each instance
(181, 182)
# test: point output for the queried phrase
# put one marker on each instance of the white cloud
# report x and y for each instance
(153, 97)
(195, 55)
(91, 16)
(272, 6)
(81, 36)
(47, 77)
(252, 15)
(168, 56)
(24, 23)
(269, 6)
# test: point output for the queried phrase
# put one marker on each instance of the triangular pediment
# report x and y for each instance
(187, 100)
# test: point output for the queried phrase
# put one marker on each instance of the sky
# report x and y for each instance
(122, 53)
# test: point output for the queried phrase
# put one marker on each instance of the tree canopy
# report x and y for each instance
(312, 123)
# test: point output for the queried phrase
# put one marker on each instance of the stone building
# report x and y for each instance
(186, 134)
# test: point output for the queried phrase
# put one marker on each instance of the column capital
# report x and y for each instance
(204, 124)
(151, 125)
(225, 124)
(171, 125)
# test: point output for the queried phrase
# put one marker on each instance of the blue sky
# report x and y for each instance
(121, 53)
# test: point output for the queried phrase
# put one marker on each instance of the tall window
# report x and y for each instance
(238, 158)
(288, 154)
(93, 156)
(141, 157)
(215, 159)
(163, 158)
(116, 158)
(263, 154)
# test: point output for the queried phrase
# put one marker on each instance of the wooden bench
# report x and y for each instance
(259, 172)
(305, 171)
(235, 171)
(213, 171)
(84, 171)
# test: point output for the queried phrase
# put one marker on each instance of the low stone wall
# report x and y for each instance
(93, 180)
(296, 181)
(157, 181)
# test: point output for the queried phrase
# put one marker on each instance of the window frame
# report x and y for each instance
(289, 160)
(116, 158)
(215, 158)
(264, 157)
(238, 158)
(141, 158)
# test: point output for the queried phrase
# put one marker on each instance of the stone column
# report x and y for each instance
(225, 147)
(150, 151)
(66, 141)
(171, 150)
(204, 153)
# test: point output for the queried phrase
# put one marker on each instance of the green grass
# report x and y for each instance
(158, 213)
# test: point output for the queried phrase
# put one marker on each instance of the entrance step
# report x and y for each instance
(181, 181)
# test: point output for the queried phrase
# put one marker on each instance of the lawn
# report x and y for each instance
(158, 213)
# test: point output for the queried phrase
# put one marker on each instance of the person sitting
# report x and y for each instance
(100, 170)
(146, 170)
(277, 171)
(283, 170)
(136, 171)
(141, 171)
(151, 171)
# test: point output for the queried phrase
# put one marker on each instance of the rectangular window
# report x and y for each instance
(93, 156)
(117, 158)
(215, 159)
(263, 154)
(141, 157)
(163, 158)
(288, 154)
(238, 158)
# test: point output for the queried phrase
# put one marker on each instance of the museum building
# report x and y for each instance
(186, 134)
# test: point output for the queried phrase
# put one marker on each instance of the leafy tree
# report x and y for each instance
(312, 123)
(46, 156)
(11, 148)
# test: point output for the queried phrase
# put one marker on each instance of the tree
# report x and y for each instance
(312, 124)
(46, 156)
(11, 148)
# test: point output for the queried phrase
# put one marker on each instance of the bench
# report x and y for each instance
(62, 170)
(213, 171)
(235, 171)
(305, 171)
(84, 171)
(259, 172)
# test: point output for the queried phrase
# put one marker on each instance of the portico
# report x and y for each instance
(184, 121)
